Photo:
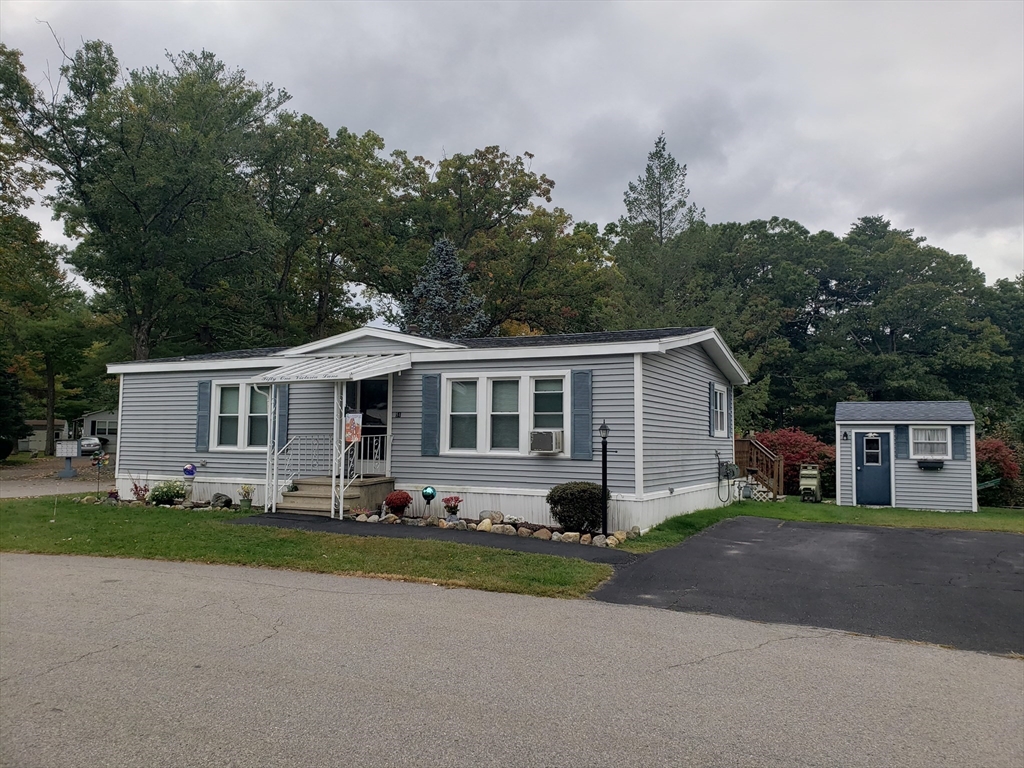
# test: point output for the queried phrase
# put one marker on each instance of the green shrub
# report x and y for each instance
(577, 506)
(168, 492)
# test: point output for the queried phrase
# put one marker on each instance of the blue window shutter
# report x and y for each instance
(711, 409)
(582, 415)
(902, 442)
(728, 416)
(959, 443)
(203, 389)
(282, 415)
(430, 416)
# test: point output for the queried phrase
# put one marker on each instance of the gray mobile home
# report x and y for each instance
(497, 421)
(917, 454)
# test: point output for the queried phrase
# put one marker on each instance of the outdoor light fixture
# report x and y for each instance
(603, 431)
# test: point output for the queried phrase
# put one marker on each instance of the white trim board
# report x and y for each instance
(638, 423)
(369, 333)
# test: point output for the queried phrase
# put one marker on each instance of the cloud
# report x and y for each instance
(817, 112)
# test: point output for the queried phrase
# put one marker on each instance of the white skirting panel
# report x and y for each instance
(203, 488)
(624, 510)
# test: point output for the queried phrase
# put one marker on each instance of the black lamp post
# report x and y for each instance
(603, 431)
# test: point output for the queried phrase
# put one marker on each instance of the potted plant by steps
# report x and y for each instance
(451, 507)
(245, 493)
(397, 502)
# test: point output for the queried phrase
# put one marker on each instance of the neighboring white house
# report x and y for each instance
(497, 421)
(916, 454)
(101, 424)
(37, 440)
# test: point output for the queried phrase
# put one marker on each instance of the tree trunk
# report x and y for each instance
(51, 402)
(140, 343)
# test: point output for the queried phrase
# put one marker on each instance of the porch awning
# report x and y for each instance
(348, 368)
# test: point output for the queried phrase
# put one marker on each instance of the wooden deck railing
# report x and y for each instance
(752, 455)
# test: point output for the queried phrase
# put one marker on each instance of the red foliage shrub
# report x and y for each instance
(397, 500)
(996, 459)
(796, 447)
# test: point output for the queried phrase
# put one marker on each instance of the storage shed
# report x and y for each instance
(913, 454)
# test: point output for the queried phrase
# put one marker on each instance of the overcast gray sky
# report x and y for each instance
(818, 112)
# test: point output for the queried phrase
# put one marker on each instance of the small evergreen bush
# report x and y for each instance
(168, 492)
(577, 506)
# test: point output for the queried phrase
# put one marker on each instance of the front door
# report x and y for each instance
(370, 398)
(873, 471)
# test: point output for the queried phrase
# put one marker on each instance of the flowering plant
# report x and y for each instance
(246, 491)
(451, 504)
(397, 500)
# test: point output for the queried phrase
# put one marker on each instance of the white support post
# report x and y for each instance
(272, 445)
(340, 430)
(334, 451)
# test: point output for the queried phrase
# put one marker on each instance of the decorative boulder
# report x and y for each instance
(598, 541)
(494, 516)
(361, 518)
(373, 518)
(389, 519)
(556, 536)
(221, 501)
(613, 541)
(432, 521)
(514, 520)
(543, 533)
(471, 526)
(442, 523)
(586, 538)
(621, 536)
(525, 532)
(458, 525)
(571, 538)
(634, 532)
(485, 525)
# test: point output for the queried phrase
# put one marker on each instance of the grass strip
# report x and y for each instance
(676, 529)
(30, 525)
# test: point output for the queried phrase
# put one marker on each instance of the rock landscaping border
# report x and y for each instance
(503, 525)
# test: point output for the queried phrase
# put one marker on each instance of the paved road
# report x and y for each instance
(132, 663)
(964, 589)
(39, 478)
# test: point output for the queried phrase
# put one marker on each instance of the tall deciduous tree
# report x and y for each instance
(442, 305)
(658, 198)
(151, 177)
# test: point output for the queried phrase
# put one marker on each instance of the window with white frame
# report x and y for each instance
(505, 415)
(721, 412)
(241, 417)
(463, 425)
(494, 412)
(929, 443)
(104, 428)
(548, 403)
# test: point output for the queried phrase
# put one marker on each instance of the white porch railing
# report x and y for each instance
(301, 456)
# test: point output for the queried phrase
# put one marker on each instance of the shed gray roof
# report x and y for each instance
(907, 411)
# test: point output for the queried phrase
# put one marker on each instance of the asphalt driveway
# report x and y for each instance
(956, 588)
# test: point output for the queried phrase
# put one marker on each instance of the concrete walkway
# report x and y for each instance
(132, 663)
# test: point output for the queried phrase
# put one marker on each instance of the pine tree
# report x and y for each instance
(658, 198)
(441, 304)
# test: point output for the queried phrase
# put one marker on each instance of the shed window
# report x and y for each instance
(929, 442)
(873, 451)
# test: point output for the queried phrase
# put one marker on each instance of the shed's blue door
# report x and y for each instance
(872, 471)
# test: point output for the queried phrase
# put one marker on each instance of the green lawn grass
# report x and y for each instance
(17, 460)
(30, 525)
(676, 529)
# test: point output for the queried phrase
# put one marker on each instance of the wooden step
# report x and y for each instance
(327, 481)
(313, 506)
(317, 492)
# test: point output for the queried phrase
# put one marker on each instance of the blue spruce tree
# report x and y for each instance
(441, 304)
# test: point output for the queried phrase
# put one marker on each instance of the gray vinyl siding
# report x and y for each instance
(367, 346)
(845, 459)
(678, 450)
(951, 488)
(310, 408)
(613, 400)
(158, 427)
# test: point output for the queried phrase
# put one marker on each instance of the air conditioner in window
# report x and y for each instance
(546, 441)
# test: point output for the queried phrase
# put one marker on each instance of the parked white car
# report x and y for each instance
(90, 445)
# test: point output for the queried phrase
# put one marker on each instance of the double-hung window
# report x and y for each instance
(720, 414)
(505, 415)
(241, 417)
(104, 428)
(548, 403)
(462, 433)
(929, 443)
